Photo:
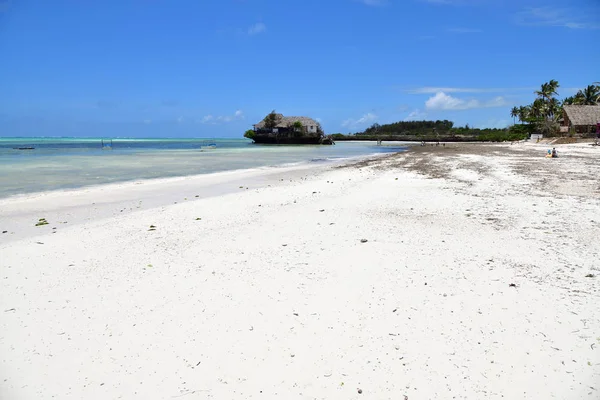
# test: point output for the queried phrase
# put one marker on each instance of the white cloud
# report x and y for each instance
(210, 119)
(559, 17)
(257, 28)
(363, 121)
(416, 115)
(443, 101)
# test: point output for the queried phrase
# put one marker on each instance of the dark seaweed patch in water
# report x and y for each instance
(389, 149)
(321, 160)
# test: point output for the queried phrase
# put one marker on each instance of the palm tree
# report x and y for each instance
(514, 112)
(568, 101)
(590, 96)
(555, 112)
(546, 108)
(537, 109)
(524, 112)
(548, 90)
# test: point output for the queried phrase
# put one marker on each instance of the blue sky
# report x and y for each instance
(200, 68)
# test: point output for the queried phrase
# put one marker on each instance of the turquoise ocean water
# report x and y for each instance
(64, 163)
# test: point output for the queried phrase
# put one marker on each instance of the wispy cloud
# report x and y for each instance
(257, 28)
(464, 30)
(210, 119)
(416, 115)
(456, 2)
(443, 101)
(559, 17)
(363, 121)
(437, 89)
(374, 3)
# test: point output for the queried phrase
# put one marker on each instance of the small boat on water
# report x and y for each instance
(208, 145)
(23, 148)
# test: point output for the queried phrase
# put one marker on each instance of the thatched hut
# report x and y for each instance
(278, 129)
(581, 119)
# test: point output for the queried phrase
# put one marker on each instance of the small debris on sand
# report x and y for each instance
(41, 222)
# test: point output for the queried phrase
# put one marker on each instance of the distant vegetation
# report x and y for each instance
(544, 114)
(432, 131)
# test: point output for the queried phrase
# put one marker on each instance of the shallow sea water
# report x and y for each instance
(64, 163)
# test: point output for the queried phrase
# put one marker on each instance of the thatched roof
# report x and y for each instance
(583, 115)
(284, 122)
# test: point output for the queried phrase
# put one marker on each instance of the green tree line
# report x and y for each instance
(431, 130)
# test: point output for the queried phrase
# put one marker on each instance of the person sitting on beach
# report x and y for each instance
(554, 153)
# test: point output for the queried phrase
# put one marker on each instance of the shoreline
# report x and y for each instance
(79, 205)
(466, 269)
(267, 169)
(184, 174)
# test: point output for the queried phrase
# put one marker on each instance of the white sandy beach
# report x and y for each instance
(269, 292)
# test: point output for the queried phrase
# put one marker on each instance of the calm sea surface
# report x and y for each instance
(60, 163)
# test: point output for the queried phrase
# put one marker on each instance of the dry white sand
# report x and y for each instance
(272, 294)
